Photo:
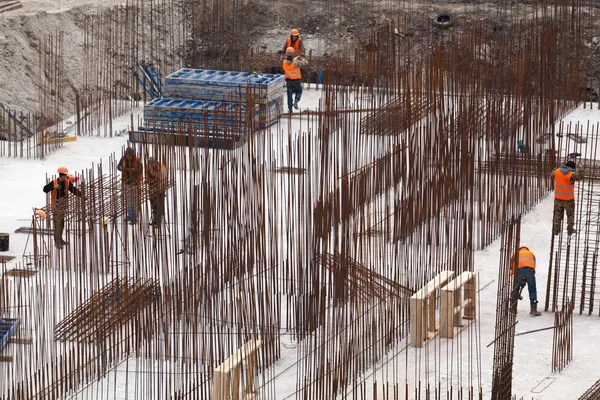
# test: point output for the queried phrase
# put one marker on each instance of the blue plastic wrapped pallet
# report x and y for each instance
(197, 111)
(8, 327)
(212, 85)
(209, 113)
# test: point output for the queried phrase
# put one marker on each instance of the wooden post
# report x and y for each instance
(226, 388)
(423, 326)
(458, 304)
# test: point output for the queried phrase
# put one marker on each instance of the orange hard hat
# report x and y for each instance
(62, 170)
(289, 50)
(73, 179)
(523, 247)
(40, 213)
(294, 32)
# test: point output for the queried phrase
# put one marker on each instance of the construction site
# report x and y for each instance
(358, 245)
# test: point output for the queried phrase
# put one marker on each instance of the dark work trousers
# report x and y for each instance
(293, 88)
(131, 197)
(59, 227)
(157, 205)
(529, 275)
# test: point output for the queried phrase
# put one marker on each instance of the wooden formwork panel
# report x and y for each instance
(458, 304)
(423, 325)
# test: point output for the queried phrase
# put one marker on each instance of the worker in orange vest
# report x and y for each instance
(59, 189)
(564, 196)
(293, 77)
(131, 168)
(295, 42)
(523, 263)
(156, 179)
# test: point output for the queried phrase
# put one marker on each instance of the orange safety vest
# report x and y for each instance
(153, 176)
(54, 192)
(154, 172)
(526, 260)
(563, 188)
(292, 73)
(129, 177)
(296, 45)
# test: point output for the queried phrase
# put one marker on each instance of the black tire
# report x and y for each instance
(443, 20)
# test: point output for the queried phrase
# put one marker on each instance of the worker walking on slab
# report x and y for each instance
(59, 189)
(295, 42)
(564, 196)
(523, 263)
(156, 179)
(131, 168)
(293, 77)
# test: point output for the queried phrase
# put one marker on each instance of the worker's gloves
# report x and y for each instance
(56, 187)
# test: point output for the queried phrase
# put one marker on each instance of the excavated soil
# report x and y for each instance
(325, 29)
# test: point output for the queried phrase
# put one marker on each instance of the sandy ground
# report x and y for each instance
(54, 6)
(325, 29)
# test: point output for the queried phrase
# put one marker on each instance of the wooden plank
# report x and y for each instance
(6, 358)
(458, 297)
(222, 375)
(460, 307)
(416, 324)
(20, 340)
(438, 281)
(251, 373)
(471, 294)
(220, 385)
(459, 281)
(423, 326)
(239, 356)
(20, 272)
(446, 317)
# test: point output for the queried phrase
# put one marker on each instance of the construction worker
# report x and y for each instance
(293, 77)
(131, 168)
(523, 262)
(295, 42)
(564, 196)
(156, 179)
(59, 189)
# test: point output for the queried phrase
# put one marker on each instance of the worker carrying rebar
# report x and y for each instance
(156, 180)
(293, 77)
(523, 263)
(564, 196)
(59, 190)
(131, 179)
(295, 42)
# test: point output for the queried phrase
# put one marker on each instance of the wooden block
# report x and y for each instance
(438, 281)
(423, 326)
(458, 300)
(222, 375)
(237, 372)
(20, 340)
(416, 322)
(239, 356)
(446, 314)
(220, 385)
(6, 358)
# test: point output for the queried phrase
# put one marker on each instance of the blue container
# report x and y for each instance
(216, 85)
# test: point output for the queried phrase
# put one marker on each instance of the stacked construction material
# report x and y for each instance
(265, 90)
(8, 327)
(218, 108)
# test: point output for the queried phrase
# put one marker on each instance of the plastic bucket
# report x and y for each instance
(4, 241)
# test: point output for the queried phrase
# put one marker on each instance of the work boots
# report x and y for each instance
(534, 312)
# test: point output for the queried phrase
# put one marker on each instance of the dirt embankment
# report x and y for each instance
(326, 28)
